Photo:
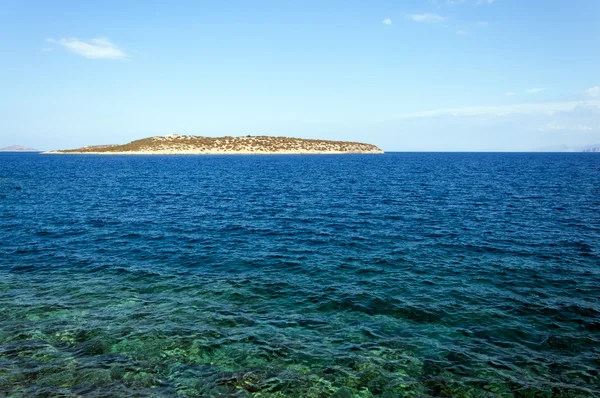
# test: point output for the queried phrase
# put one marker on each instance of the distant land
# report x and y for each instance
(188, 144)
(592, 149)
(566, 148)
(18, 148)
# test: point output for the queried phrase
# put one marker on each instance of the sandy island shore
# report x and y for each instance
(200, 152)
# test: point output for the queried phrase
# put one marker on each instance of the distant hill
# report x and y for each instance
(18, 148)
(593, 148)
(566, 148)
(182, 144)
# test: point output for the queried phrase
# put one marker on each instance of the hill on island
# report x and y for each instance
(18, 148)
(182, 144)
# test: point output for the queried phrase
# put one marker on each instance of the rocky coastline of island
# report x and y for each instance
(246, 145)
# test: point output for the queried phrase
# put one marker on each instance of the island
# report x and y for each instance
(196, 145)
(18, 148)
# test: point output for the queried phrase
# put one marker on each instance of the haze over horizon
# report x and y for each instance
(439, 75)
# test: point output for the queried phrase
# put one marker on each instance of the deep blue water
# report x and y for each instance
(406, 274)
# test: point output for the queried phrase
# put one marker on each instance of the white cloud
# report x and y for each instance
(387, 21)
(427, 17)
(454, 2)
(482, 23)
(535, 90)
(99, 48)
(593, 92)
(582, 128)
(485, 1)
(461, 32)
(510, 94)
(551, 127)
(549, 108)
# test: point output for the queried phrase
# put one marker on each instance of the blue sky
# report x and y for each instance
(405, 75)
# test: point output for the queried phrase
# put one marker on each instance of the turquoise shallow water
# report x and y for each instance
(472, 275)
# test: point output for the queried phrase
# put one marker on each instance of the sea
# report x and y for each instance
(395, 275)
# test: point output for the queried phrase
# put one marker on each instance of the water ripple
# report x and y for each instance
(260, 276)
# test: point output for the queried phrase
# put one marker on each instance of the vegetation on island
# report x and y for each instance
(228, 144)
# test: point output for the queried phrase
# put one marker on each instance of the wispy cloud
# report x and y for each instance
(485, 1)
(98, 48)
(593, 92)
(461, 32)
(510, 94)
(535, 90)
(454, 2)
(427, 17)
(482, 23)
(581, 128)
(387, 21)
(551, 127)
(549, 108)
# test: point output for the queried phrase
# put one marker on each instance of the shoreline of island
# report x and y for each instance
(217, 153)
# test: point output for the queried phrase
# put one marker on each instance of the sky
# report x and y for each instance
(412, 75)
